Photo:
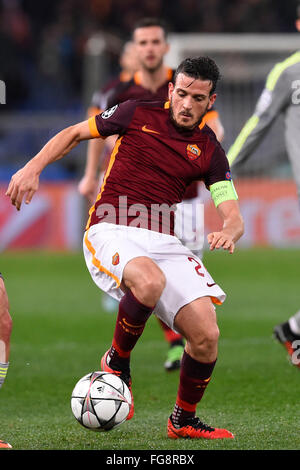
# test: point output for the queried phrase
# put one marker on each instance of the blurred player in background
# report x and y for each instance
(99, 153)
(143, 264)
(281, 95)
(150, 82)
(5, 333)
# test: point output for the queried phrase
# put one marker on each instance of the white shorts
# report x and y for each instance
(108, 248)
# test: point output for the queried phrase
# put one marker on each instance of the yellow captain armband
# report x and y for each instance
(223, 191)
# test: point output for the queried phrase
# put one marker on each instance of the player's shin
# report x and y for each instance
(194, 378)
(130, 324)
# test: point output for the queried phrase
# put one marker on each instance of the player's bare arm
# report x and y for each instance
(232, 230)
(25, 182)
(89, 183)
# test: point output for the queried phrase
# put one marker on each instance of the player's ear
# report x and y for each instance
(170, 89)
(212, 99)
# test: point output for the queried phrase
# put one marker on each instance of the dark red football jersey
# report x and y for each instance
(119, 91)
(152, 164)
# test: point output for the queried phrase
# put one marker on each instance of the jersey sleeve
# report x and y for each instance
(218, 179)
(113, 121)
(218, 167)
(273, 100)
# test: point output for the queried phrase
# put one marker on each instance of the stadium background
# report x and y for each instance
(53, 54)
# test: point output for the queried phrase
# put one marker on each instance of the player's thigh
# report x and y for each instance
(107, 251)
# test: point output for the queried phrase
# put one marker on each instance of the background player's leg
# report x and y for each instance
(176, 347)
(5, 333)
(288, 334)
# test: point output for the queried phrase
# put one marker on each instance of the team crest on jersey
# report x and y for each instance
(228, 175)
(116, 259)
(109, 112)
(193, 151)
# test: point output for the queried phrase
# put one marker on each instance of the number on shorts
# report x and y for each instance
(197, 267)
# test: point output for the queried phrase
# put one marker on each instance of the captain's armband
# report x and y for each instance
(223, 191)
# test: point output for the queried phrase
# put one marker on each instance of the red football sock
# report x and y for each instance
(194, 378)
(130, 324)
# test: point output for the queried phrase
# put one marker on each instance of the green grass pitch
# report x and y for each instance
(60, 333)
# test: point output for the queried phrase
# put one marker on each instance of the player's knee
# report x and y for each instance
(212, 336)
(204, 346)
(151, 288)
(145, 279)
(3, 298)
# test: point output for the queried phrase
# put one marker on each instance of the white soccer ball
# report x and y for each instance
(100, 401)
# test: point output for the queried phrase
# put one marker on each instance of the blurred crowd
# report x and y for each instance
(42, 43)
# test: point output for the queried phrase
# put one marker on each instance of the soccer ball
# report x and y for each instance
(100, 401)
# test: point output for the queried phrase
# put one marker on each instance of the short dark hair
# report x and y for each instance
(203, 68)
(151, 21)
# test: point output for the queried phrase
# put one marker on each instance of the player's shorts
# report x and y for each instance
(189, 223)
(108, 248)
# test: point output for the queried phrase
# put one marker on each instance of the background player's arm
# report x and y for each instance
(95, 163)
(272, 101)
(26, 181)
(215, 124)
(89, 183)
(233, 227)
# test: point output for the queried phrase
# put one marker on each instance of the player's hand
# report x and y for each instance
(88, 188)
(23, 185)
(218, 240)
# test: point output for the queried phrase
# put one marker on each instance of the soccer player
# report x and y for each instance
(5, 333)
(280, 96)
(89, 183)
(150, 82)
(129, 243)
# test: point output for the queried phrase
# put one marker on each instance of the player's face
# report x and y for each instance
(151, 47)
(190, 99)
